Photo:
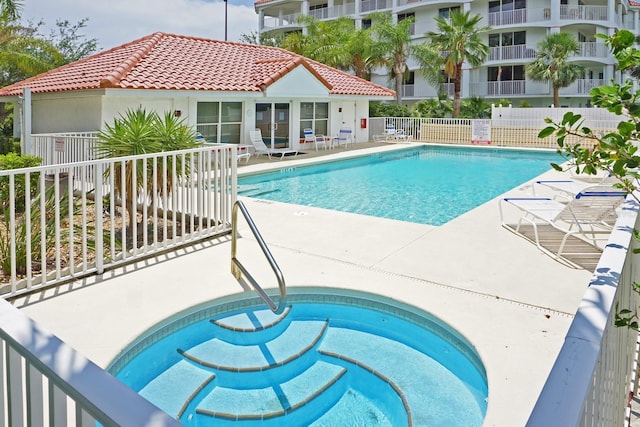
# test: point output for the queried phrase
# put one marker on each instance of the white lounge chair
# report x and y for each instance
(261, 148)
(583, 217)
(568, 188)
(317, 140)
(344, 137)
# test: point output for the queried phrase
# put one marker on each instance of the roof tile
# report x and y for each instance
(174, 62)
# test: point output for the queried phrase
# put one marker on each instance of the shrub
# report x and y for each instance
(16, 161)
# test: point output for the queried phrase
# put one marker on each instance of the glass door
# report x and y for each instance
(273, 121)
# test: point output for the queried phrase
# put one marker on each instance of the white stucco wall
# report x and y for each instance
(58, 113)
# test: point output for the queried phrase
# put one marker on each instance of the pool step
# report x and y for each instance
(253, 327)
(294, 342)
(323, 383)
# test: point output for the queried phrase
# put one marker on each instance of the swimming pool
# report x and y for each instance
(428, 185)
(335, 357)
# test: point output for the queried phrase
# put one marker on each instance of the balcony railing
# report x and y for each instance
(271, 23)
(508, 17)
(592, 50)
(505, 53)
(408, 91)
(584, 13)
(373, 5)
(581, 87)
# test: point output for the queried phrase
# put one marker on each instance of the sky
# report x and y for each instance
(115, 22)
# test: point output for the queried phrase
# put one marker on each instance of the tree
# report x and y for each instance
(395, 41)
(457, 41)
(70, 43)
(10, 9)
(140, 132)
(337, 43)
(263, 39)
(439, 107)
(552, 62)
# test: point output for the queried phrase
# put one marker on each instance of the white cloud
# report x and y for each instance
(116, 22)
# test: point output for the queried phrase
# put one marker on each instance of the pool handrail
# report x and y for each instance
(238, 269)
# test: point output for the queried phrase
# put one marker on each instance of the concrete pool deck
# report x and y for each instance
(512, 302)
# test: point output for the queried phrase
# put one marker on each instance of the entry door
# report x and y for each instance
(273, 121)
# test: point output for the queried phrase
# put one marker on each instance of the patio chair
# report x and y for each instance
(344, 137)
(584, 217)
(317, 140)
(261, 149)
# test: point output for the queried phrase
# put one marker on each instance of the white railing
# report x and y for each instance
(591, 378)
(43, 381)
(72, 219)
(63, 147)
(514, 132)
(373, 5)
(581, 87)
(283, 21)
(584, 13)
(593, 50)
(501, 53)
(508, 17)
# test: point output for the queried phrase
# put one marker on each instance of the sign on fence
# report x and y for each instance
(481, 131)
(59, 145)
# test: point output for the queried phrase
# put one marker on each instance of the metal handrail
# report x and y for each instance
(237, 269)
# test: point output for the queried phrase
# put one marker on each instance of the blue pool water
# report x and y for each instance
(334, 358)
(429, 185)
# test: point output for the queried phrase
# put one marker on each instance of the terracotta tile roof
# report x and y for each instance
(174, 62)
(634, 3)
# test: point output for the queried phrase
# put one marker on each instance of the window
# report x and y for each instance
(508, 39)
(505, 5)
(403, 16)
(366, 23)
(220, 121)
(314, 115)
(506, 73)
(445, 12)
(319, 11)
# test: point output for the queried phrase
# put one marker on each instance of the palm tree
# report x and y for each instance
(140, 132)
(395, 41)
(458, 41)
(10, 9)
(337, 43)
(552, 63)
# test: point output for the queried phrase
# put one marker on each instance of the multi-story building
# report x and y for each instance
(516, 28)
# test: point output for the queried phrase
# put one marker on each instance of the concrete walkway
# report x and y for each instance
(512, 302)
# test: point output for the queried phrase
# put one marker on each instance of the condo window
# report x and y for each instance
(445, 12)
(508, 39)
(506, 73)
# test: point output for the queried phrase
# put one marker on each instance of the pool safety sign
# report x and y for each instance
(481, 131)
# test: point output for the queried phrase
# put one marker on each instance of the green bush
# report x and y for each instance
(16, 161)
(383, 109)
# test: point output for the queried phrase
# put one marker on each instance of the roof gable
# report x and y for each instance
(174, 62)
(302, 81)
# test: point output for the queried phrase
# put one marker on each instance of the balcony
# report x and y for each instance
(373, 5)
(408, 91)
(518, 16)
(509, 88)
(506, 53)
(592, 50)
(581, 87)
(272, 23)
(584, 13)
(346, 9)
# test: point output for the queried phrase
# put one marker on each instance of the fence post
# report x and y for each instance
(97, 185)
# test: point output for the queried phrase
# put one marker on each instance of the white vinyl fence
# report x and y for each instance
(63, 221)
(592, 377)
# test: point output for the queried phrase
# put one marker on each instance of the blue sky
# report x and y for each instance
(115, 22)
